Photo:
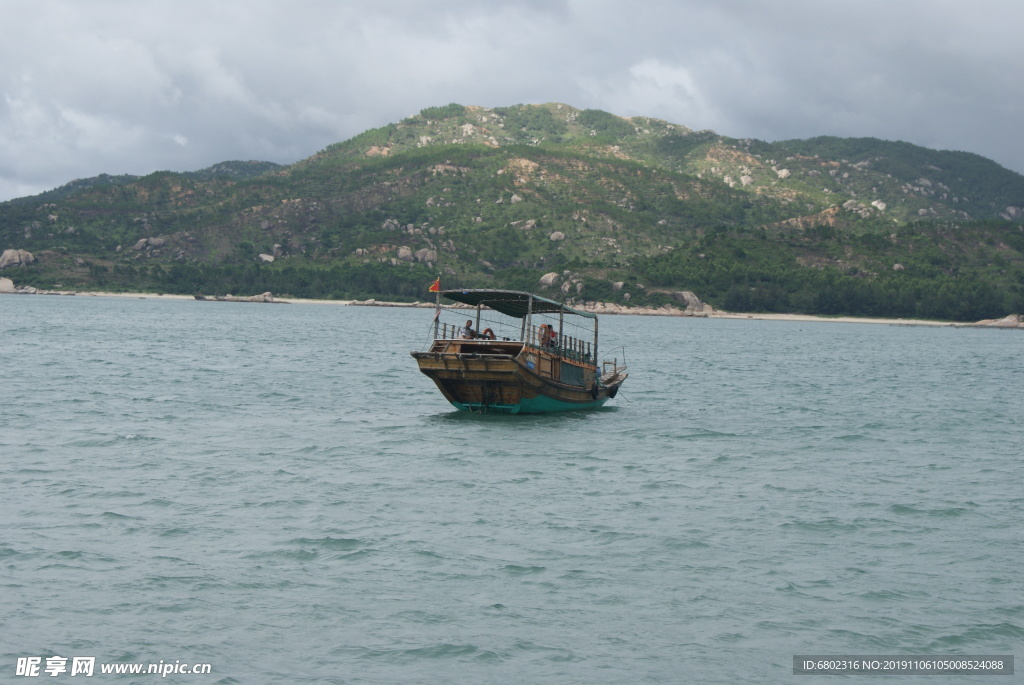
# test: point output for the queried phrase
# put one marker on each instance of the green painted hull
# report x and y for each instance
(537, 405)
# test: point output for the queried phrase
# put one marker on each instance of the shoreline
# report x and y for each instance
(600, 308)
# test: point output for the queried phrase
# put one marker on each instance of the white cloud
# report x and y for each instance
(116, 87)
(655, 88)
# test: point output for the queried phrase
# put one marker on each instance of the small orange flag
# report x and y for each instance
(435, 287)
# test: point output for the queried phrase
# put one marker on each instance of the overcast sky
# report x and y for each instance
(134, 86)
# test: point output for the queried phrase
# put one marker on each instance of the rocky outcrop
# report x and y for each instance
(557, 235)
(425, 255)
(664, 310)
(264, 297)
(266, 258)
(1011, 321)
(858, 208)
(549, 278)
(605, 308)
(694, 307)
(405, 254)
(15, 258)
(6, 285)
(144, 243)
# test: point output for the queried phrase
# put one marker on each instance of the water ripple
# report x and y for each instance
(260, 489)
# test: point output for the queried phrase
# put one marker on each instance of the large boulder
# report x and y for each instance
(426, 255)
(549, 278)
(405, 254)
(15, 258)
(692, 302)
(266, 258)
(6, 285)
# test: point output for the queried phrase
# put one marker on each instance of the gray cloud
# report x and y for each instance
(132, 87)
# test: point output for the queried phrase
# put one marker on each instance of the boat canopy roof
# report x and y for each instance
(512, 302)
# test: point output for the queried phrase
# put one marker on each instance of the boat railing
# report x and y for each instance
(447, 331)
(568, 348)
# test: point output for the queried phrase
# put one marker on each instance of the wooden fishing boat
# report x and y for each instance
(538, 356)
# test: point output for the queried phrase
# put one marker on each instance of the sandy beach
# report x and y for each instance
(836, 319)
(1011, 321)
(620, 311)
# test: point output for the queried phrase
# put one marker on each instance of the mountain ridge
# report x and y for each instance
(501, 196)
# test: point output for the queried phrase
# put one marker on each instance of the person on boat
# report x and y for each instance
(548, 337)
(467, 332)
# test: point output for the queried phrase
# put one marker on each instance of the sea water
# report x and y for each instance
(276, 491)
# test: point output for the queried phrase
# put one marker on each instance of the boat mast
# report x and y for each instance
(437, 312)
(561, 321)
(595, 342)
(527, 320)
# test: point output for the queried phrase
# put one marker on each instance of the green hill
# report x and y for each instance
(498, 197)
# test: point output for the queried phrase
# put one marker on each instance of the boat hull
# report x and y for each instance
(506, 384)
